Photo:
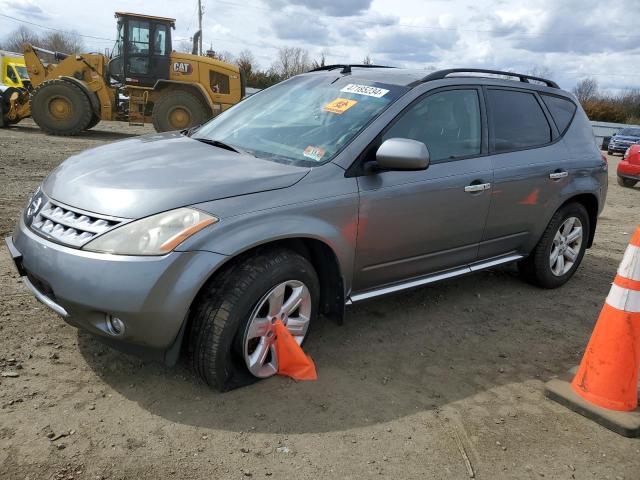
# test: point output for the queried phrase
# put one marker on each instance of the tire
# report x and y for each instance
(609, 152)
(94, 121)
(537, 268)
(177, 110)
(61, 108)
(627, 182)
(218, 333)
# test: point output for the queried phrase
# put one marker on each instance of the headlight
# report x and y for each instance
(155, 235)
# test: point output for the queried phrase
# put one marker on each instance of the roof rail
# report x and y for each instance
(346, 68)
(440, 74)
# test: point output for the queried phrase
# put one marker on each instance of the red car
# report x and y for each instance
(629, 167)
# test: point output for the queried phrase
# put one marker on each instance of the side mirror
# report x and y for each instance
(402, 154)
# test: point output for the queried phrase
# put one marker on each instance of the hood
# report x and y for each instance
(626, 138)
(150, 174)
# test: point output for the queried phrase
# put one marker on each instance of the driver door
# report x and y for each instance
(421, 222)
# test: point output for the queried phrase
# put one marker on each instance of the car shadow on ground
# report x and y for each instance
(393, 357)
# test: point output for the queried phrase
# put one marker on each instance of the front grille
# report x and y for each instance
(71, 227)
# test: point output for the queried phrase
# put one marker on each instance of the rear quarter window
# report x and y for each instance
(516, 121)
(562, 110)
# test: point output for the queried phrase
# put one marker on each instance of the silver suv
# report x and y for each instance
(330, 188)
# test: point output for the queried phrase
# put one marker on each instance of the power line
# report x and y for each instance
(56, 29)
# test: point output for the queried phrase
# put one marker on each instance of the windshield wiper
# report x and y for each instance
(226, 146)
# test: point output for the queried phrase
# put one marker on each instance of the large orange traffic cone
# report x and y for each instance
(605, 386)
(292, 361)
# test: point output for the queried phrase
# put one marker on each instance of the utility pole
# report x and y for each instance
(200, 13)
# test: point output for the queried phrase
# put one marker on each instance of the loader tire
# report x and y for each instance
(94, 121)
(61, 108)
(177, 110)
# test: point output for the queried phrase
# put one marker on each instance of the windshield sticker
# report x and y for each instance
(365, 90)
(315, 153)
(339, 105)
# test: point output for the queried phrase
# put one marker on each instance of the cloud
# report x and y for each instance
(581, 27)
(297, 27)
(333, 8)
(27, 9)
(412, 45)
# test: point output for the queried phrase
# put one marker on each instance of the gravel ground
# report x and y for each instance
(425, 384)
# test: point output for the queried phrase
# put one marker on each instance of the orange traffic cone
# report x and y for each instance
(292, 361)
(605, 386)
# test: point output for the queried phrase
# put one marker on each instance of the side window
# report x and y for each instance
(562, 110)
(138, 37)
(160, 40)
(11, 74)
(448, 123)
(219, 82)
(516, 120)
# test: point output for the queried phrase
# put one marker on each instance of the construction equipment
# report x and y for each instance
(143, 81)
(13, 71)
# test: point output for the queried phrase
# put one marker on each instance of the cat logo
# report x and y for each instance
(183, 68)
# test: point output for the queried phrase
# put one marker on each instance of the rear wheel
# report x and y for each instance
(177, 110)
(230, 337)
(627, 182)
(560, 250)
(61, 108)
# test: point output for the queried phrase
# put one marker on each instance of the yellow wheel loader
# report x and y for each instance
(143, 81)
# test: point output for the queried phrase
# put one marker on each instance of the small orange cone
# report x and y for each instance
(605, 387)
(292, 361)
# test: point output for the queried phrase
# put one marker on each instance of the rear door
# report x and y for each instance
(528, 163)
(416, 223)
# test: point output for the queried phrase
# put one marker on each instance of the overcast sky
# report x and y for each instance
(573, 39)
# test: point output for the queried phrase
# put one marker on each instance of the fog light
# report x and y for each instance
(115, 325)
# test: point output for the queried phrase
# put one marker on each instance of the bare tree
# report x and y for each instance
(246, 62)
(367, 60)
(291, 61)
(586, 89)
(321, 62)
(14, 40)
(67, 42)
(540, 71)
(183, 46)
(224, 56)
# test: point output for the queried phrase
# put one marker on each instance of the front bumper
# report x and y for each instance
(618, 148)
(151, 295)
(628, 170)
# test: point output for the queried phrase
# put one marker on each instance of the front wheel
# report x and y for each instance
(177, 110)
(560, 250)
(231, 330)
(627, 182)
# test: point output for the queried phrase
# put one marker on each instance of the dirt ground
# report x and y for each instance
(422, 384)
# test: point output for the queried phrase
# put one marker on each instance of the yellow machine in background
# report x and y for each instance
(143, 81)
(13, 71)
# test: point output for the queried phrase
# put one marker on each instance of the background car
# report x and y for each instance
(629, 167)
(623, 140)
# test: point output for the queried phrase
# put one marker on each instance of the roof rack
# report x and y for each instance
(440, 74)
(346, 68)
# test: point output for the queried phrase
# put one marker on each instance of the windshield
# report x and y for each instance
(306, 120)
(632, 132)
(22, 72)
(117, 48)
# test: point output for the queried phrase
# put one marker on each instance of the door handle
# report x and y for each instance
(557, 175)
(477, 187)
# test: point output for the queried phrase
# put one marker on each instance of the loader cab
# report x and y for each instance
(141, 55)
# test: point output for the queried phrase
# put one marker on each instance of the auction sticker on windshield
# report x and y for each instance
(339, 105)
(315, 153)
(365, 90)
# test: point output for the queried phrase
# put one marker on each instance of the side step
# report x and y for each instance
(435, 277)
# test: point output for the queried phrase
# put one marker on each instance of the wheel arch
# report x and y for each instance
(590, 202)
